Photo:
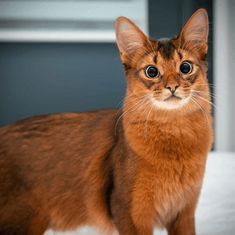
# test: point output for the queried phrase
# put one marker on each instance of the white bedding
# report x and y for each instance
(216, 209)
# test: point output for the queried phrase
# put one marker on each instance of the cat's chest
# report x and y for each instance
(171, 136)
(169, 188)
(169, 139)
(172, 191)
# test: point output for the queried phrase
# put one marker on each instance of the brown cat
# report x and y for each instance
(129, 172)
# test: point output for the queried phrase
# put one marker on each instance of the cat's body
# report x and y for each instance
(58, 164)
(128, 171)
(67, 185)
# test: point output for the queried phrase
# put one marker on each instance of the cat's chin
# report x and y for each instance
(170, 103)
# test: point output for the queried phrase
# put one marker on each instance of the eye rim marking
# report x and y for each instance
(147, 75)
(191, 67)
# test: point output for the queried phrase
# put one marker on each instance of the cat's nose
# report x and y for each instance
(172, 87)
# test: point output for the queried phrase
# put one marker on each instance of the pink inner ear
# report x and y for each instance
(124, 26)
(196, 29)
(129, 36)
(196, 33)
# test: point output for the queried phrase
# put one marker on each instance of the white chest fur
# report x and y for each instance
(172, 193)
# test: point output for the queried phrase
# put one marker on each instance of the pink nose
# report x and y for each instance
(172, 87)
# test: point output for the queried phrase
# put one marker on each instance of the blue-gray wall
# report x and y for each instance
(40, 78)
(49, 77)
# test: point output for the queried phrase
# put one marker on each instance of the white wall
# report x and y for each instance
(224, 65)
(231, 22)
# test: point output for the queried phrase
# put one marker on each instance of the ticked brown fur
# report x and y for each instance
(132, 171)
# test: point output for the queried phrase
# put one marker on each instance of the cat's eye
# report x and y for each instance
(151, 71)
(186, 67)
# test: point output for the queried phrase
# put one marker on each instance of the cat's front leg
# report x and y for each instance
(184, 224)
(123, 220)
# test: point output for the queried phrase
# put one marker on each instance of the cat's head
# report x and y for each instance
(169, 74)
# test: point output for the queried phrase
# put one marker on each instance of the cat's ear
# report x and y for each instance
(129, 37)
(196, 29)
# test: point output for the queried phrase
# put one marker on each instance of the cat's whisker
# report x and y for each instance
(212, 86)
(136, 105)
(140, 105)
(133, 106)
(132, 96)
(206, 83)
(209, 87)
(201, 108)
(206, 100)
(146, 121)
(120, 102)
(203, 93)
(214, 96)
(146, 110)
(206, 93)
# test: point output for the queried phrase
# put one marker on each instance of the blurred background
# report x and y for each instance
(61, 56)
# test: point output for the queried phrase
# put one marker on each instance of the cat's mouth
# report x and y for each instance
(171, 102)
(173, 98)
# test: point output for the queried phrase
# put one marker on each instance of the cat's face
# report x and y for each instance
(168, 73)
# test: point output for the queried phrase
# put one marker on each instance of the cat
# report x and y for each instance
(127, 171)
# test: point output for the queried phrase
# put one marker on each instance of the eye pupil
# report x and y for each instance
(151, 72)
(186, 67)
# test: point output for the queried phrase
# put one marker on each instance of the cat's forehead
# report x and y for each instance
(163, 51)
(166, 48)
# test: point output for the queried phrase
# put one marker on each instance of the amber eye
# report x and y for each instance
(186, 67)
(152, 72)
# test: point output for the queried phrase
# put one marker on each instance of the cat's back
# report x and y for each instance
(62, 133)
(57, 123)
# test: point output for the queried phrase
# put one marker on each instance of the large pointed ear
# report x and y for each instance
(129, 37)
(196, 30)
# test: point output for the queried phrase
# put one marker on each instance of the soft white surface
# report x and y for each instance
(216, 209)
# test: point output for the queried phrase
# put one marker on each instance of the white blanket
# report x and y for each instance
(216, 209)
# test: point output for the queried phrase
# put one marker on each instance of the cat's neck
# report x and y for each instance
(149, 130)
